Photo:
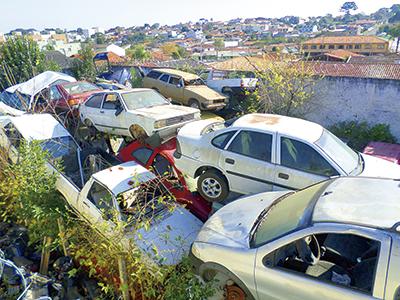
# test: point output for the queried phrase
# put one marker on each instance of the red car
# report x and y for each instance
(390, 152)
(161, 161)
(65, 96)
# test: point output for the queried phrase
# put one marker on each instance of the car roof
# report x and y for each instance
(123, 177)
(184, 75)
(38, 127)
(305, 130)
(370, 202)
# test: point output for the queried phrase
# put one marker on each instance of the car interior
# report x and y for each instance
(342, 259)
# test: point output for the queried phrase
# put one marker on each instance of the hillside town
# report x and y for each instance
(252, 158)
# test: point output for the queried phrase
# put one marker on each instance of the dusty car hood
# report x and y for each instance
(230, 226)
(162, 112)
(204, 91)
(377, 167)
(171, 236)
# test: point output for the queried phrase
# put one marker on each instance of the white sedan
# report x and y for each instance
(261, 152)
(137, 113)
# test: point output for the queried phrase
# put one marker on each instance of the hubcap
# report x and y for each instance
(211, 187)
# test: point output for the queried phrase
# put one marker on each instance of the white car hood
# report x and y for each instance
(172, 236)
(162, 112)
(231, 225)
(377, 167)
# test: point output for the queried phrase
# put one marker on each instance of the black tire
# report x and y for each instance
(212, 186)
(194, 103)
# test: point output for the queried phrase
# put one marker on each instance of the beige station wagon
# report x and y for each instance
(184, 88)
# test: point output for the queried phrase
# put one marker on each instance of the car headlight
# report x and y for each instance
(160, 124)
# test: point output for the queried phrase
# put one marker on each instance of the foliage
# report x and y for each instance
(283, 87)
(169, 48)
(83, 67)
(100, 38)
(180, 53)
(348, 6)
(219, 44)
(136, 79)
(359, 134)
(394, 31)
(138, 52)
(29, 193)
(20, 60)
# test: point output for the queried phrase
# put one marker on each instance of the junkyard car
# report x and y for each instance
(160, 160)
(338, 239)
(99, 188)
(260, 152)
(65, 96)
(184, 88)
(137, 113)
(25, 96)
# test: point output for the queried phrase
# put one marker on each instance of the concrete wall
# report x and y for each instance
(343, 99)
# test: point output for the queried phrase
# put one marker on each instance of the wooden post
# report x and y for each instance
(123, 275)
(44, 262)
(61, 233)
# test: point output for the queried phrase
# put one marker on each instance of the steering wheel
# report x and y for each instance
(309, 250)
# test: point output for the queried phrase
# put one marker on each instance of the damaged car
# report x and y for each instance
(184, 88)
(103, 190)
(338, 239)
(136, 113)
(261, 152)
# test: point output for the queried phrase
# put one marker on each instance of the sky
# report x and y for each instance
(71, 14)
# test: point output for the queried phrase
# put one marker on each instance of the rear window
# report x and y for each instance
(154, 74)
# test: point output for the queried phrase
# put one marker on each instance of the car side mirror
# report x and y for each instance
(119, 110)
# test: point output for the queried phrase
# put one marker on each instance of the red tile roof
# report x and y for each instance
(357, 39)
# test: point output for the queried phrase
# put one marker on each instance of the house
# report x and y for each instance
(365, 45)
(65, 63)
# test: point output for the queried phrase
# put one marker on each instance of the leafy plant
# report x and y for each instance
(83, 67)
(359, 134)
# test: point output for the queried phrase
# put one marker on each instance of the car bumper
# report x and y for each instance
(195, 261)
(213, 106)
(171, 130)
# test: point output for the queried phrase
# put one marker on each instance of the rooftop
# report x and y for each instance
(305, 130)
(184, 75)
(367, 202)
(357, 39)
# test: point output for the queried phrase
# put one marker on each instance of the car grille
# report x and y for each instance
(219, 101)
(179, 119)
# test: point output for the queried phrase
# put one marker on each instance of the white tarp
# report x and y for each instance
(39, 82)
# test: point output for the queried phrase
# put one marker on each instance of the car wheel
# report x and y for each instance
(194, 103)
(91, 129)
(138, 133)
(225, 286)
(212, 186)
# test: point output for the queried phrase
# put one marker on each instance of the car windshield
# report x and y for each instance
(286, 214)
(142, 99)
(15, 100)
(60, 147)
(79, 88)
(339, 152)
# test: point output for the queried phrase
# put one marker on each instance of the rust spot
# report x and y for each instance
(268, 120)
(110, 169)
(130, 182)
(120, 168)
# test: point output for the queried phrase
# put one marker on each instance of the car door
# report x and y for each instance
(90, 110)
(246, 161)
(175, 88)
(112, 123)
(300, 165)
(276, 278)
(163, 85)
(96, 203)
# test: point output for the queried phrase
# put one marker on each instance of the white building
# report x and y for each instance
(116, 49)
(231, 44)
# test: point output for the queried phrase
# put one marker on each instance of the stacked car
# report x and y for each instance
(318, 220)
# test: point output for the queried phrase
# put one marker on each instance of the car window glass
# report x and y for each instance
(164, 78)
(54, 93)
(162, 166)
(111, 101)
(221, 140)
(346, 260)
(94, 101)
(154, 74)
(13, 135)
(297, 155)
(102, 198)
(174, 80)
(142, 155)
(252, 144)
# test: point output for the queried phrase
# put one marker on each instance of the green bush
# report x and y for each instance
(359, 134)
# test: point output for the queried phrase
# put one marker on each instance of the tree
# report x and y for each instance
(180, 53)
(84, 68)
(394, 31)
(138, 52)
(219, 45)
(284, 87)
(20, 60)
(100, 38)
(169, 48)
(348, 6)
